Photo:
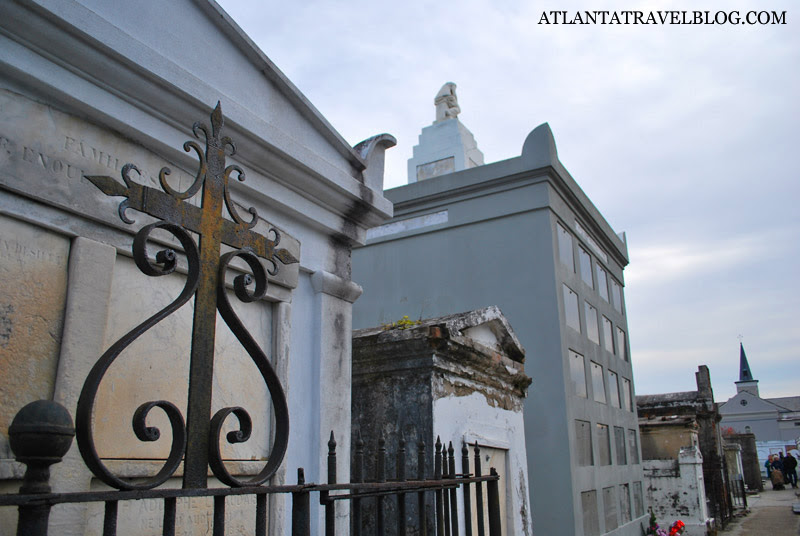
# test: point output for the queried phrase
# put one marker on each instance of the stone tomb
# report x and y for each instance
(460, 377)
(88, 86)
(675, 490)
(45, 153)
(750, 465)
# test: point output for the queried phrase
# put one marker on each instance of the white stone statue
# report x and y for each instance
(446, 103)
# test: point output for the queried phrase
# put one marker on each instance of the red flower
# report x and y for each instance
(676, 528)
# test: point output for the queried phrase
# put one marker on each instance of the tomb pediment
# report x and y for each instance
(486, 328)
(116, 63)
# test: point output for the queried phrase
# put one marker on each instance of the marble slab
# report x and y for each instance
(33, 279)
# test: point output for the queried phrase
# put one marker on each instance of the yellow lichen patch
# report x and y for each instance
(403, 323)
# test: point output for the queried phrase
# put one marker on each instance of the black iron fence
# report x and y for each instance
(42, 433)
(718, 500)
(738, 493)
(419, 505)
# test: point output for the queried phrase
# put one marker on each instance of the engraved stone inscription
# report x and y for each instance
(44, 155)
(33, 271)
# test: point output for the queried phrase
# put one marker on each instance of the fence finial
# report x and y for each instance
(40, 435)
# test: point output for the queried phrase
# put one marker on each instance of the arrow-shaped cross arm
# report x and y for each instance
(150, 201)
(239, 236)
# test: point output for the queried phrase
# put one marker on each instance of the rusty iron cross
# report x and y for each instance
(214, 230)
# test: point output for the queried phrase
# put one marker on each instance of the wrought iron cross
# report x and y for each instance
(205, 281)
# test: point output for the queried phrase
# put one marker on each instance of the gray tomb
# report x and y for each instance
(521, 234)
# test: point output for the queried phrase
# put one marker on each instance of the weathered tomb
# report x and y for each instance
(459, 377)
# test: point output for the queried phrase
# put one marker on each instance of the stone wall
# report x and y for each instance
(675, 490)
(663, 440)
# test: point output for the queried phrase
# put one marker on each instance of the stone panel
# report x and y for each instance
(492, 458)
(434, 169)
(33, 271)
(156, 367)
(665, 442)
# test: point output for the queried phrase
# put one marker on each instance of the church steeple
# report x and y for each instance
(744, 367)
(746, 381)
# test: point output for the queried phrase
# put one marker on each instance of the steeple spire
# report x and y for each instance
(744, 368)
(746, 381)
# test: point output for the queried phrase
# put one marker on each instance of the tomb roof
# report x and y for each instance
(486, 327)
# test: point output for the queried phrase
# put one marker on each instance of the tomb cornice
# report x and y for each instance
(506, 175)
(456, 368)
(588, 215)
(333, 285)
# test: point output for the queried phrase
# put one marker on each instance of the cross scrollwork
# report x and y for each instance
(196, 441)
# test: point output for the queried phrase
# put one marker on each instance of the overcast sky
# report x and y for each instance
(684, 137)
